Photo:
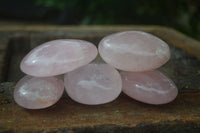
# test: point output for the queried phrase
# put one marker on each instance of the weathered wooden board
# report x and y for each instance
(122, 115)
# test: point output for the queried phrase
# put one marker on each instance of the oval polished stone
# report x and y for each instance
(93, 84)
(151, 87)
(58, 57)
(37, 93)
(134, 51)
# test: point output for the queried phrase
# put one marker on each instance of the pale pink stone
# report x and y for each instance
(134, 51)
(93, 84)
(58, 57)
(151, 87)
(37, 93)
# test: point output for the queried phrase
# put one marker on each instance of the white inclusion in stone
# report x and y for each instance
(90, 84)
(130, 50)
(28, 94)
(161, 53)
(148, 89)
(107, 44)
(34, 57)
(23, 91)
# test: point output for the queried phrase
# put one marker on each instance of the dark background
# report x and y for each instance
(183, 15)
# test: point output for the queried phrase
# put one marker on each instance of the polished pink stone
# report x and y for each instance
(93, 84)
(58, 57)
(151, 87)
(37, 93)
(134, 51)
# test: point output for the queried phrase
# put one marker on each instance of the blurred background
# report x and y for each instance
(183, 15)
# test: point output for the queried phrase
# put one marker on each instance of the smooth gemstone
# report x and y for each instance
(134, 51)
(58, 57)
(37, 93)
(93, 84)
(151, 87)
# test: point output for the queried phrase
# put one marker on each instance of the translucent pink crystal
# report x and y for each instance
(134, 51)
(58, 57)
(151, 87)
(37, 93)
(93, 84)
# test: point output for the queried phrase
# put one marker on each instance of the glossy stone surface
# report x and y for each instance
(151, 87)
(134, 51)
(93, 84)
(58, 57)
(37, 93)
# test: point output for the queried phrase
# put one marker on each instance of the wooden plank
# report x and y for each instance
(121, 115)
(3, 60)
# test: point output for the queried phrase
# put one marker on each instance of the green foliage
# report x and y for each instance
(180, 14)
(58, 4)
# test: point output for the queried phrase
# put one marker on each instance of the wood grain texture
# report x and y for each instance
(122, 115)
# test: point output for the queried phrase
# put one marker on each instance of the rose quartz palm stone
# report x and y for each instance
(150, 87)
(58, 57)
(37, 93)
(134, 51)
(93, 84)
